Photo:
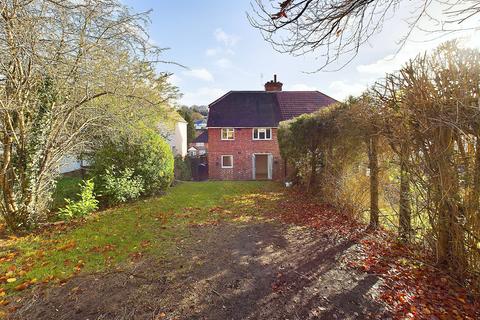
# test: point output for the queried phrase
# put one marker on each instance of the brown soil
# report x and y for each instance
(260, 270)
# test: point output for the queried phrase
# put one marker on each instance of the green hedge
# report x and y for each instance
(183, 168)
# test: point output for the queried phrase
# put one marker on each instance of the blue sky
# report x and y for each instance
(214, 39)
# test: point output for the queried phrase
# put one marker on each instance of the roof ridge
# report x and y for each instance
(263, 91)
(326, 95)
(226, 94)
(262, 108)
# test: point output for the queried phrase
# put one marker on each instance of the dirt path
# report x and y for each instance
(258, 270)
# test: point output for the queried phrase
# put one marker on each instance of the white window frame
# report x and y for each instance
(227, 167)
(258, 133)
(227, 130)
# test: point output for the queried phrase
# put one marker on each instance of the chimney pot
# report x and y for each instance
(273, 85)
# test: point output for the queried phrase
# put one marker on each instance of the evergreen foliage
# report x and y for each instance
(143, 155)
(183, 168)
(86, 204)
(187, 115)
(121, 186)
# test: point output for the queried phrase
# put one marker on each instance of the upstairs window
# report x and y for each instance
(262, 134)
(228, 134)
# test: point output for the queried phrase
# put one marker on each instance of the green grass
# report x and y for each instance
(115, 236)
(67, 188)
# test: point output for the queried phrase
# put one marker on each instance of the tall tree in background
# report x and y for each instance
(203, 110)
(57, 59)
(187, 115)
(337, 29)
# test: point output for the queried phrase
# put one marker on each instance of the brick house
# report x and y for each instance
(242, 130)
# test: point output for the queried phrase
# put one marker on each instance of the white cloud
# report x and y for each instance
(337, 89)
(211, 52)
(394, 62)
(174, 79)
(202, 96)
(340, 89)
(387, 64)
(472, 41)
(228, 40)
(200, 73)
(301, 87)
(223, 51)
(224, 63)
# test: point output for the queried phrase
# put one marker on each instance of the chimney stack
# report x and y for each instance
(273, 85)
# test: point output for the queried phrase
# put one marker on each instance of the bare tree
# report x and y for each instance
(57, 59)
(366, 118)
(337, 29)
(434, 104)
(421, 127)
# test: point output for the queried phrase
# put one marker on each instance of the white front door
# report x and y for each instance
(262, 166)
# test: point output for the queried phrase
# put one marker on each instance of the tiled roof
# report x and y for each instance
(294, 103)
(202, 137)
(262, 108)
(244, 109)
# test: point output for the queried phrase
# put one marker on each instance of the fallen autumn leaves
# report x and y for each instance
(412, 287)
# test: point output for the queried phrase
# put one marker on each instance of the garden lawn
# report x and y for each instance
(256, 249)
(107, 239)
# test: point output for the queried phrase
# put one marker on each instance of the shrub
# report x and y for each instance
(86, 204)
(67, 188)
(146, 153)
(121, 186)
(183, 168)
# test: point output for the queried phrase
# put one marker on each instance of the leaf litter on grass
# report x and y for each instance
(412, 287)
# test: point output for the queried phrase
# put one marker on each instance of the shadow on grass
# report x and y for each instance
(269, 276)
(242, 267)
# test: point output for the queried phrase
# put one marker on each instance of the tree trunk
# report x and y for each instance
(476, 176)
(373, 165)
(451, 240)
(313, 173)
(15, 211)
(474, 200)
(404, 216)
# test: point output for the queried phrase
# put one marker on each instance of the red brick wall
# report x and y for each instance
(241, 149)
